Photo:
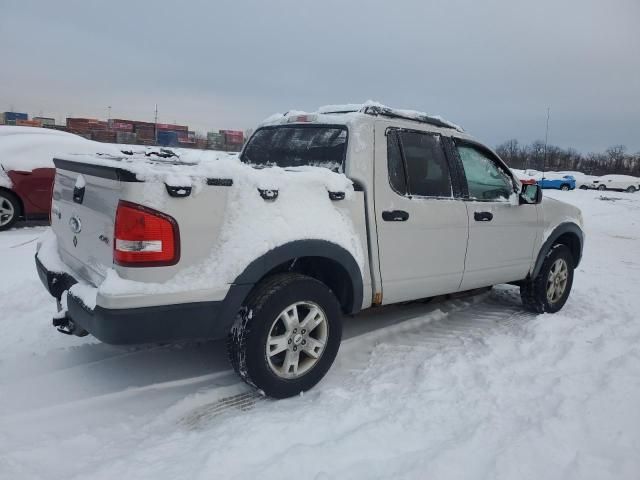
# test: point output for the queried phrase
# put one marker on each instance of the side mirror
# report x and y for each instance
(531, 193)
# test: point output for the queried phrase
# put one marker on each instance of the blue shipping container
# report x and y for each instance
(167, 138)
(15, 116)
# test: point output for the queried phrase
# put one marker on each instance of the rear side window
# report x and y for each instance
(296, 146)
(417, 164)
(485, 179)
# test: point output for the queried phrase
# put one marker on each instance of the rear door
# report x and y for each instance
(422, 227)
(502, 233)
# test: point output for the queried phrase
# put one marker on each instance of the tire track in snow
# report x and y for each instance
(450, 324)
(447, 324)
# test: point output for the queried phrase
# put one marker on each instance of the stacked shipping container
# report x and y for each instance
(46, 121)
(28, 123)
(133, 132)
(10, 118)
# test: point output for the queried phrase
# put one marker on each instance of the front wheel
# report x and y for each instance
(9, 210)
(549, 291)
(564, 187)
(602, 187)
(286, 335)
(631, 189)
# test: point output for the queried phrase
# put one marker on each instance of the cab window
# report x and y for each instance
(417, 164)
(485, 179)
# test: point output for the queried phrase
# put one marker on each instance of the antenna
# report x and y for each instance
(155, 127)
(109, 114)
(546, 141)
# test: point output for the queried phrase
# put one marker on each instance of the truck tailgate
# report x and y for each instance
(82, 217)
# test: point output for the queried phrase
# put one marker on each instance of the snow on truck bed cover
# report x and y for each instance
(252, 227)
(194, 168)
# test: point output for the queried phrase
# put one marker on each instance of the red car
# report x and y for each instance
(28, 197)
(27, 172)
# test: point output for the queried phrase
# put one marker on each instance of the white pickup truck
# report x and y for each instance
(323, 215)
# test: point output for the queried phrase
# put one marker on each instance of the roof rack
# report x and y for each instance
(416, 117)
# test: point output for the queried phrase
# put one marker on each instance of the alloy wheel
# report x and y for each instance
(557, 280)
(297, 339)
(7, 212)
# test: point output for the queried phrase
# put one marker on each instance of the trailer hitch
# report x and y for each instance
(68, 327)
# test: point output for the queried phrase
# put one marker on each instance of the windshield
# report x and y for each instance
(296, 145)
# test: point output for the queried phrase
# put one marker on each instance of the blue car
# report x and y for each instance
(567, 182)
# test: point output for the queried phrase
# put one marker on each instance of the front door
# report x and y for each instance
(422, 227)
(502, 233)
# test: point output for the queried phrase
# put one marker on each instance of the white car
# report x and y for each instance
(620, 183)
(323, 215)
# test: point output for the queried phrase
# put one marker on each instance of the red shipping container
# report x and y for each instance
(28, 123)
(176, 128)
(121, 126)
(233, 136)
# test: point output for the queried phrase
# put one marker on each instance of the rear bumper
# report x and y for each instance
(163, 323)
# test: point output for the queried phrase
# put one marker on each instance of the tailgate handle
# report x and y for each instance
(78, 194)
(395, 216)
(268, 194)
(178, 192)
(482, 216)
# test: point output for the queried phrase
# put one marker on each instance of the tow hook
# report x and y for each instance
(65, 325)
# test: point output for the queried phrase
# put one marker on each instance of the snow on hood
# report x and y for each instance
(28, 148)
(6, 130)
(345, 113)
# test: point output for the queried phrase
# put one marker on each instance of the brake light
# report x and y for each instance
(144, 237)
(307, 118)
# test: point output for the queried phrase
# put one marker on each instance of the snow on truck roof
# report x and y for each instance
(351, 111)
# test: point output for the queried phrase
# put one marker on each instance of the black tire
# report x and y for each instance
(602, 187)
(534, 292)
(9, 199)
(565, 187)
(631, 189)
(584, 187)
(247, 341)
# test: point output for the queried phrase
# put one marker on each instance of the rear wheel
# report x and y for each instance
(549, 291)
(584, 187)
(286, 335)
(9, 210)
(602, 187)
(631, 189)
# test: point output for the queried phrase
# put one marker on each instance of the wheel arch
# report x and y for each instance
(569, 234)
(325, 261)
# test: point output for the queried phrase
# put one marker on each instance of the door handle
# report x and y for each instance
(483, 216)
(395, 216)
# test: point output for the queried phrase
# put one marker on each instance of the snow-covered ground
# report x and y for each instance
(466, 388)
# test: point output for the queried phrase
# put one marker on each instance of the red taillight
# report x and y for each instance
(144, 237)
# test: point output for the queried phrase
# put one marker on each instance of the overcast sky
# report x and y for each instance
(492, 66)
